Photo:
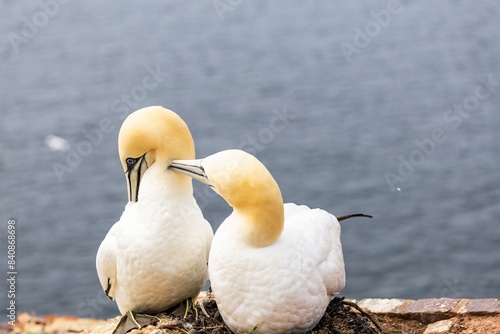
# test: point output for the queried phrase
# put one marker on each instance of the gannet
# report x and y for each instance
(273, 267)
(155, 256)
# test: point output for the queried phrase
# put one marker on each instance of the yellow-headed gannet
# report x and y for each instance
(156, 255)
(272, 267)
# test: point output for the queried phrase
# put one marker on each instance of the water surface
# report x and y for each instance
(349, 125)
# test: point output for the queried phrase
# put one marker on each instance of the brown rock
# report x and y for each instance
(431, 310)
(439, 327)
(483, 306)
(52, 324)
(384, 306)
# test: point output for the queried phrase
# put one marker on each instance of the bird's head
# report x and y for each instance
(152, 135)
(246, 184)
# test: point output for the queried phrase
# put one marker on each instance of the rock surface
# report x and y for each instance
(443, 326)
(426, 316)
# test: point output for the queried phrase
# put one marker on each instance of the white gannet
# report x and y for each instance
(155, 256)
(273, 267)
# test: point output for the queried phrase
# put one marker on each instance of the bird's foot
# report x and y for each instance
(203, 299)
(183, 309)
(131, 320)
(190, 306)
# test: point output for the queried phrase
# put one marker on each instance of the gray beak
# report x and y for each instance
(191, 168)
(135, 170)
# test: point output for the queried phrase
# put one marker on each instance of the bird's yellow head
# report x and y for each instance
(152, 135)
(246, 184)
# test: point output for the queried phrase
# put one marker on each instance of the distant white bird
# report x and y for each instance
(155, 256)
(56, 143)
(272, 267)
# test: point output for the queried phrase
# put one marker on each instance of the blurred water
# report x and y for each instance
(348, 125)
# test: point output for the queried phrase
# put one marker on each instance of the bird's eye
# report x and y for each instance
(130, 161)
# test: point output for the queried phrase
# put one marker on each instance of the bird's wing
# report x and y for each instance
(292, 209)
(332, 267)
(320, 235)
(106, 262)
(210, 235)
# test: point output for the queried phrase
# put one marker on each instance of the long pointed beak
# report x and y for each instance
(191, 168)
(134, 175)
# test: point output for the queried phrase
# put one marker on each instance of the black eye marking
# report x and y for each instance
(130, 161)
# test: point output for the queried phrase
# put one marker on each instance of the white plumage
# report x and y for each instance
(266, 273)
(156, 255)
(284, 287)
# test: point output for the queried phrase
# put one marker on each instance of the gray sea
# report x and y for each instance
(390, 108)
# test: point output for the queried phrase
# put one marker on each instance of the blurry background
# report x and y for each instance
(363, 106)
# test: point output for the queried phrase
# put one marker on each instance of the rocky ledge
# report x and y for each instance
(439, 315)
(427, 316)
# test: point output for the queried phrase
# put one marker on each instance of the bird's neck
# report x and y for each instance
(261, 225)
(162, 184)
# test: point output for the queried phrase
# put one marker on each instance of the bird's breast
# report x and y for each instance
(161, 258)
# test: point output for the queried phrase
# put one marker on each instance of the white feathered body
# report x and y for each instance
(156, 255)
(282, 288)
